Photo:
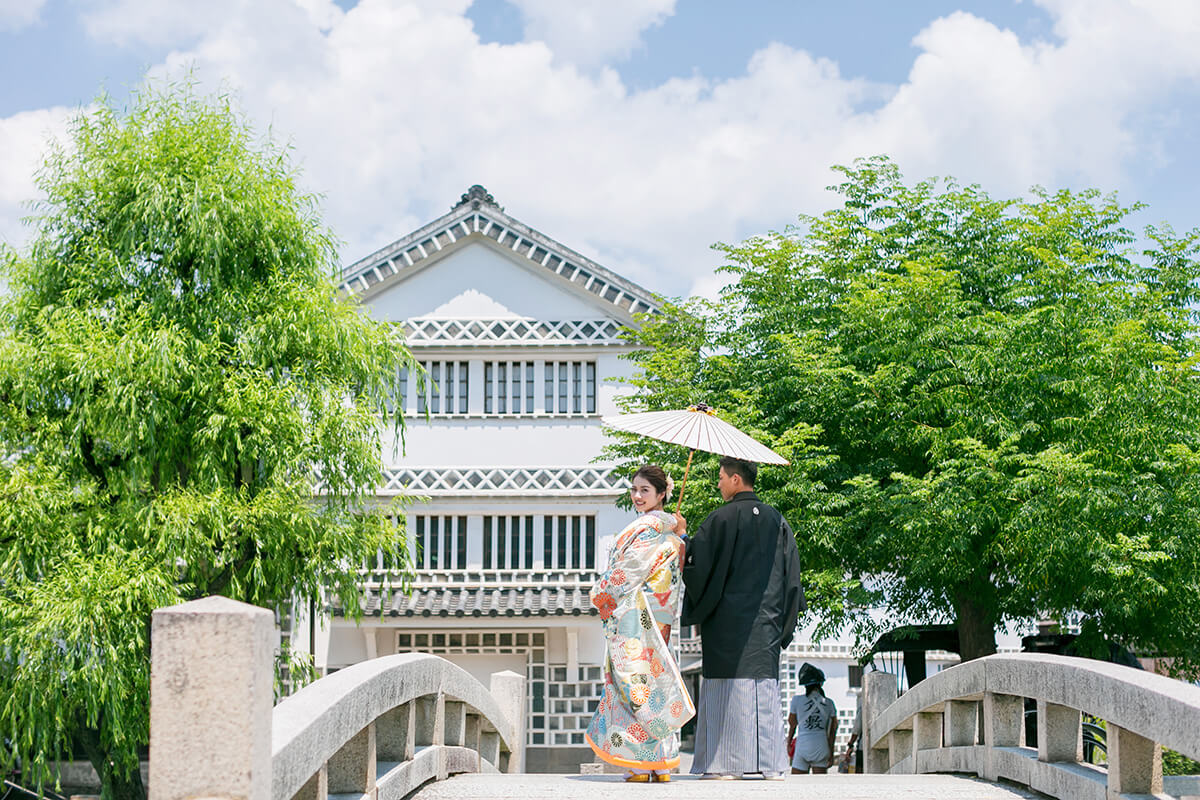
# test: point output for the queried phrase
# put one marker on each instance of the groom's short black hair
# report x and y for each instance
(736, 466)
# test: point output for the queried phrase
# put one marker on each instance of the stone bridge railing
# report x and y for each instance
(377, 730)
(971, 718)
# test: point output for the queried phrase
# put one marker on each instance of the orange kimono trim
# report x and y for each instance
(617, 761)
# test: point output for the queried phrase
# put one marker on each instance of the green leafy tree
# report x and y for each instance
(177, 371)
(991, 406)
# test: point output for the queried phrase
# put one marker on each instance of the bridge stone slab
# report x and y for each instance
(689, 787)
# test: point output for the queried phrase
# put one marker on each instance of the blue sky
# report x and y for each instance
(638, 131)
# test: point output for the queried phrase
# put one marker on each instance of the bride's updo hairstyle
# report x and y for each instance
(656, 477)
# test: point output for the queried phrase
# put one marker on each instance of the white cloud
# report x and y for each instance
(17, 14)
(589, 32)
(396, 107)
(24, 138)
(154, 22)
(980, 103)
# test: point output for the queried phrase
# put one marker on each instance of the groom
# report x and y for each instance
(742, 574)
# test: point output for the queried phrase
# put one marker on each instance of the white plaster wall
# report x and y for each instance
(486, 269)
(498, 442)
(346, 644)
(591, 642)
(481, 667)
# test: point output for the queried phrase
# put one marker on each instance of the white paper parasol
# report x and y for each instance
(696, 428)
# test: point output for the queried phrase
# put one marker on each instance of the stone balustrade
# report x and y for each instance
(970, 719)
(377, 730)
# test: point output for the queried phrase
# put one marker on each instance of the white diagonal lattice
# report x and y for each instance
(451, 481)
(484, 331)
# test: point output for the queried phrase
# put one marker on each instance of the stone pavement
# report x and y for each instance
(794, 787)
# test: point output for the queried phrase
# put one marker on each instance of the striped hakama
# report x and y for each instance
(739, 728)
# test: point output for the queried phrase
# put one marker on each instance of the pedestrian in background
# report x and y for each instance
(813, 723)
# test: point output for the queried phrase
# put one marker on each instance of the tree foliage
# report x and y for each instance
(991, 406)
(177, 371)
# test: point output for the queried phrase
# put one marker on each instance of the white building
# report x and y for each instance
(520, 338)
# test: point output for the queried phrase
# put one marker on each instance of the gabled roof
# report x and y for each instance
(477, 216)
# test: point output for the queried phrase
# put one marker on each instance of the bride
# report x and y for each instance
(645, 702)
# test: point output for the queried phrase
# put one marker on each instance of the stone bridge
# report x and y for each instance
(415, 727)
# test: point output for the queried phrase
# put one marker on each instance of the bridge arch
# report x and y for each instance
(970, 719)
(378, 729)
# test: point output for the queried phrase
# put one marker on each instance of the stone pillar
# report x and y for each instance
(427, 712)
(1003, 720)
(456, 723)
(960, 722)
(317, 787)
(1134, 763)
(900, 747)
(474, 724)
(1060, 737)
(1003, 726)
(879, 691)
(489, 748)
(927, 735)
(395, 734)
(211, 697)
(430, 727)
(508, 689)
(351, 770)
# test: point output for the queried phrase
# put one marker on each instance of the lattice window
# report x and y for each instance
(397, 398)
(508, 387)
(855, 676)
(446, 388)
(570, 541)
(508, 542)
(569, 704)
(386, 564)
(441, 541)
(570, 387)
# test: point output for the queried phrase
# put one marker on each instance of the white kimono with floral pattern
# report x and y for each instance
(645, 701)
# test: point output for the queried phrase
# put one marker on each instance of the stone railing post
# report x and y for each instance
(879, 691)
(927, 735)
(1060, 734)
(961, 724)
(1134, 763)
(211, 695)
(508, 689)
(1003, 726)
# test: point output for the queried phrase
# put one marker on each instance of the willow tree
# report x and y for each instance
(177, 371)
(993, 406)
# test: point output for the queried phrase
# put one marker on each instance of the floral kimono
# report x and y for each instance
(645, 702)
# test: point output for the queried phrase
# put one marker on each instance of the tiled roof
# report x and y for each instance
(477, 217)
(475, 601)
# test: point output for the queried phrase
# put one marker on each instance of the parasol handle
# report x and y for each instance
(683, 483)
